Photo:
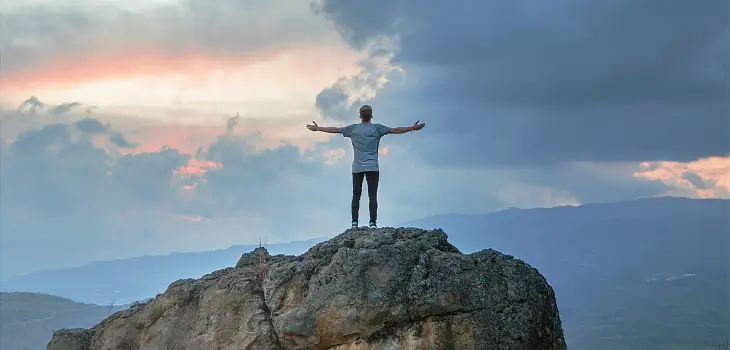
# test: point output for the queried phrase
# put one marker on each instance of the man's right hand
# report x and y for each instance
(314, 127)
(417, 126)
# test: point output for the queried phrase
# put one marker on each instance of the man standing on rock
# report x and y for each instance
(365, 137)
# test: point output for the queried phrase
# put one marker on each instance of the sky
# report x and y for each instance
(147, 127)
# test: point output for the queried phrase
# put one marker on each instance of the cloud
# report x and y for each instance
(65, 107)
(32, 104)
(705, 178)
(38, 141)
(695, 180)
(50, 171)
(508, 84)
(341, 100)
(589, 182)
(231, 123)
(120, 141)
(65, 184)
(91, 126)
(147, 176)
(76, 41)
(84, 188)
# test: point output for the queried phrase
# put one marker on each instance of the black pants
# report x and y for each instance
(372, 178)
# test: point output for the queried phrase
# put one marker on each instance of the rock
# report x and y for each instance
(70, 339)
(364, 289)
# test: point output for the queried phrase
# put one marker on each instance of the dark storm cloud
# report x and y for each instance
(51, 171)
(231, 123)
(57, 169)
(64, 107)
(120, 141)
(330, 100)
(37, 141)
(508, 83)
(147, 176)
(32, 105)
(697, 181)
(90, 125)
(253, 179)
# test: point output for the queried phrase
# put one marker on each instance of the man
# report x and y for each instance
(365, 137)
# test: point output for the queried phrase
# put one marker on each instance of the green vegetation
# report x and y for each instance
(28, 320)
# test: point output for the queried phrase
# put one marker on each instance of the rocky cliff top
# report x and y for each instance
(381, 288)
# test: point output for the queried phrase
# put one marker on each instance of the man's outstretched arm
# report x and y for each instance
(405, 129)
(327, 129)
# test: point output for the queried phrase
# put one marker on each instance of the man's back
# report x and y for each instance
(365, 143)
(365, 138)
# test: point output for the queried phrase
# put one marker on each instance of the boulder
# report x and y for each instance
(383, 288)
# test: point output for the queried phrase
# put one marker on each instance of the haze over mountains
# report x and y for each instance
(619, 270)
(133, 279)
(27, 319)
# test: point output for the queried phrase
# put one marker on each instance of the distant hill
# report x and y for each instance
(132, 279)
(645, 274)
(27, 320)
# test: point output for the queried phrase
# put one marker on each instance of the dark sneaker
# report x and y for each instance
(373, 225)
(354, 224)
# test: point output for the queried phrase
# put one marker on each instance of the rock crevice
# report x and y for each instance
(262, 270)
(382, 288)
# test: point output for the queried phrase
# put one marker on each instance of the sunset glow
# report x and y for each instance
(196, 167)
(195, 80)
(715, 172)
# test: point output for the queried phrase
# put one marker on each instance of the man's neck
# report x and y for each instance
(365, 121)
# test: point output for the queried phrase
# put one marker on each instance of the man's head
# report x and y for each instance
(366, 113)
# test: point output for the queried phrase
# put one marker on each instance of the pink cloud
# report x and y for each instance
(704, 178)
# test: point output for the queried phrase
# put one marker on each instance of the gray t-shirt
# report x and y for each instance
(365, 142)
